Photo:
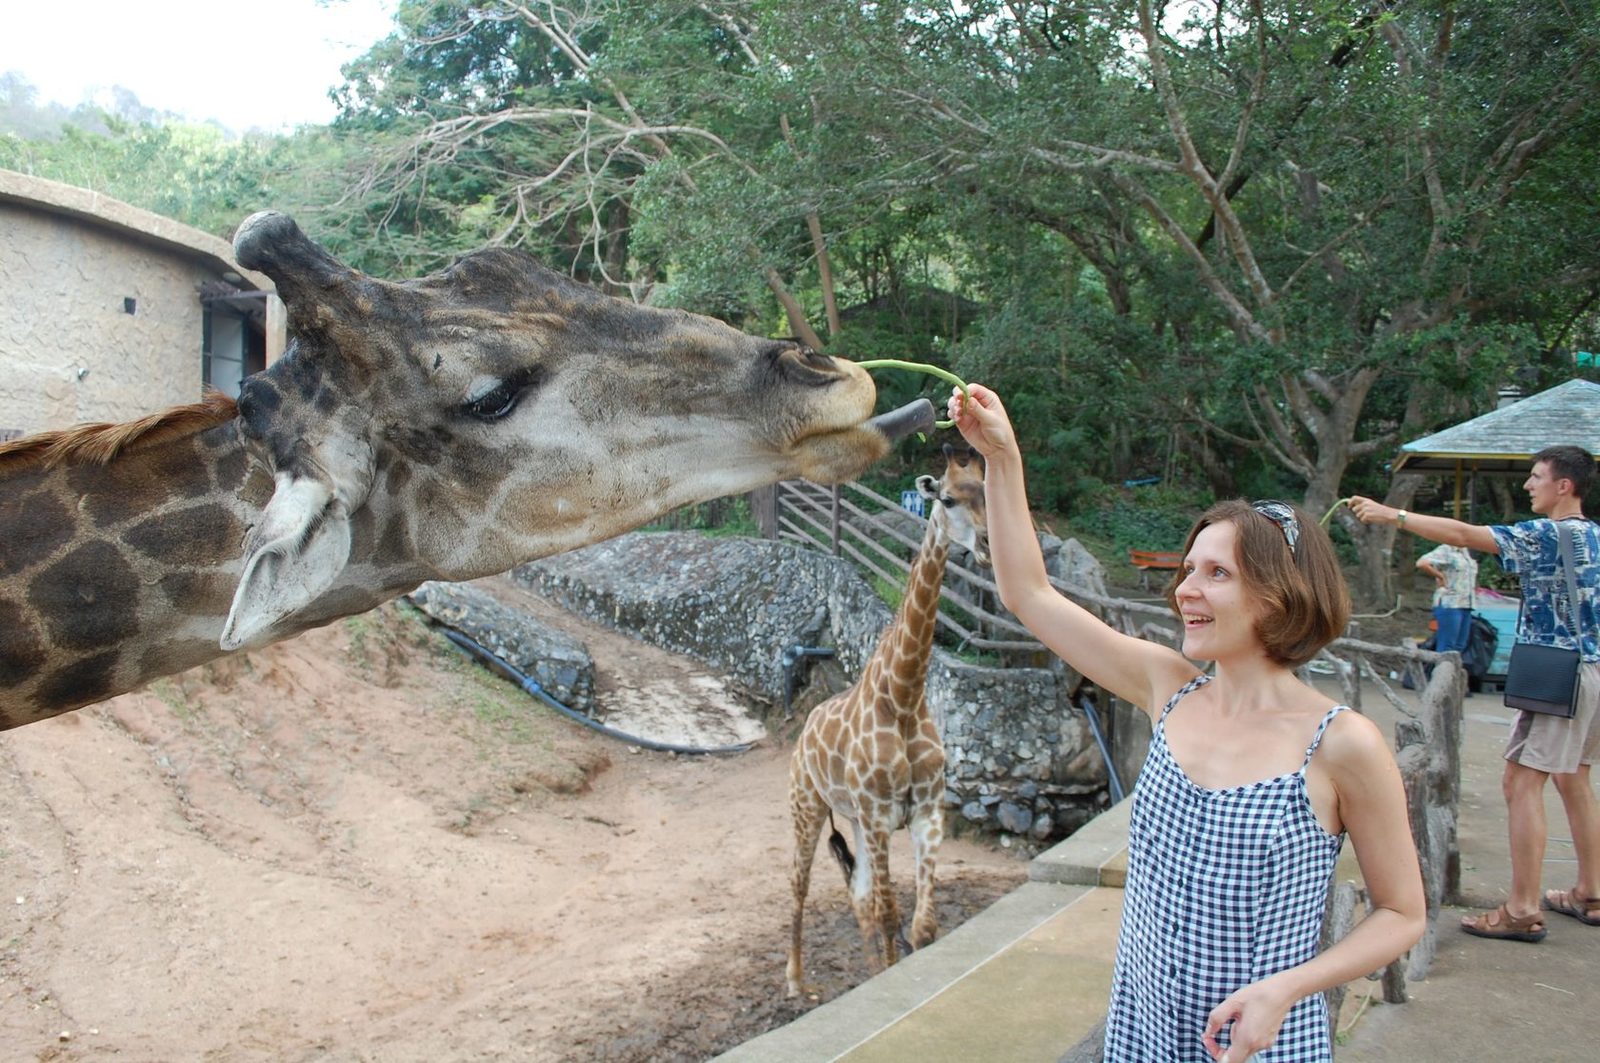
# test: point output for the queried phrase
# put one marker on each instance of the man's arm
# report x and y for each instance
(1438, 529)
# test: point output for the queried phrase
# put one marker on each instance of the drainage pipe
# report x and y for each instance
(1087, 705)
(791, 675)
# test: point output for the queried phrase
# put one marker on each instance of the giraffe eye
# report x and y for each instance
(493, 404)
(494, 399)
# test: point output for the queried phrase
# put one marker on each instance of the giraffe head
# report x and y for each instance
(959, 515)
(494, 412)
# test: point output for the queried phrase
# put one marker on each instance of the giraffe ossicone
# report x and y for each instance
(873, 756)
(446, 427)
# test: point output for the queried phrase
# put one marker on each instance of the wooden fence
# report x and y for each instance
(854, 522)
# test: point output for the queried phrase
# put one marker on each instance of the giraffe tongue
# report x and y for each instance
(912, 417)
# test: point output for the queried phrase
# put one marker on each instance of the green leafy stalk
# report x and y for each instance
(921, 367)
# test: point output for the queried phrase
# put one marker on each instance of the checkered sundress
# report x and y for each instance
(1225, 887)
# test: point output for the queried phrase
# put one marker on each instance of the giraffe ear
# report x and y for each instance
(292, 556)
(927, 486)
(303, 541)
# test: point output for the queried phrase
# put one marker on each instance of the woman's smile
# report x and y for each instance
(1211, 598)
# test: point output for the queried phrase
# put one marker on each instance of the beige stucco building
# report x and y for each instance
(109, 312)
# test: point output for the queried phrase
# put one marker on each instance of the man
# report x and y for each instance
(1541, 746)
(1455, 574)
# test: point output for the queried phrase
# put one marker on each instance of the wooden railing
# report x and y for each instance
(855, 522)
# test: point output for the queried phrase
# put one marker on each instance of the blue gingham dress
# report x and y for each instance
(1225, 887)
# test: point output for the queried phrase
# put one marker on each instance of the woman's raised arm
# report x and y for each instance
(1141, 672)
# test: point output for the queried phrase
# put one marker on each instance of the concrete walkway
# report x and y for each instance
(1027, 980)
(1491, 1000)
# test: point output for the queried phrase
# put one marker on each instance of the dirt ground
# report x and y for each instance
(357, 845)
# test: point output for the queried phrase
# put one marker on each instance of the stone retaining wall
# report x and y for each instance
(1021, 759)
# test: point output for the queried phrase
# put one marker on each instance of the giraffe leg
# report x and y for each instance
(861, 899)
(808, 811)
(883, 914)
(927, 832)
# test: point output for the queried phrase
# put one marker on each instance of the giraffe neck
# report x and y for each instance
(905, 648)
(113, 575)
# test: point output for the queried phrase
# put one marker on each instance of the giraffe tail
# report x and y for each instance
(841, 851)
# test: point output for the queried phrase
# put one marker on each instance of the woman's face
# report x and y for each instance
(1219, 616)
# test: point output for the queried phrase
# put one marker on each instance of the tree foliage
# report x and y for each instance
(1247, 247)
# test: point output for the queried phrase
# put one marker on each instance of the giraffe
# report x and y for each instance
(447, 427)
(872, 753)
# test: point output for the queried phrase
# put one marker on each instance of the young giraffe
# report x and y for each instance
(872, 753)
(444, 428)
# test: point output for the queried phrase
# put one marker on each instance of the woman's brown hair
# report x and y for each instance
(1303, 601)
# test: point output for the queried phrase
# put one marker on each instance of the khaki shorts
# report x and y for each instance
(1551, 744)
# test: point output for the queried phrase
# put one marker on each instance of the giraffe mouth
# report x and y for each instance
(915, 416)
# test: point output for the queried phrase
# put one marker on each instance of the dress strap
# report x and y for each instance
(1198, 681)
(1316, 739)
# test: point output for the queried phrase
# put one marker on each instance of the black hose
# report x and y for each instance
(495, 664)
(1105, 751)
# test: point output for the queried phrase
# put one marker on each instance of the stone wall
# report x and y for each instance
(558, 662)
(1020, 758)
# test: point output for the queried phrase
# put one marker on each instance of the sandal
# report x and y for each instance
(1569, 902)
(1500, 924)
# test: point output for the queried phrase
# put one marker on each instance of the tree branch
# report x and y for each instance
(1195, 170)
(1422, 135)
(1277, 439)
(1257, 85)
(1240, 316)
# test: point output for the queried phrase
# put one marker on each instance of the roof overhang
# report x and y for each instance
(53, 197)
(1503, 442)
(1454, 462)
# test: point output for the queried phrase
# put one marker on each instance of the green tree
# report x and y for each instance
(1329, 223)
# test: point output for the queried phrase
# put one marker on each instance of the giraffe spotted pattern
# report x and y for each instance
(872, 755)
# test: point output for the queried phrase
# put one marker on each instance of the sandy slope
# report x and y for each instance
(358, 846)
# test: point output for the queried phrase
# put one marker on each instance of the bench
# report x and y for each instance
(1147, 561)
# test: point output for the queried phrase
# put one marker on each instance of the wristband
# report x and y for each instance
(1400, 521)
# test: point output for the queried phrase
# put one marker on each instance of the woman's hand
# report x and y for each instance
(982, 420)
(1256, 1012)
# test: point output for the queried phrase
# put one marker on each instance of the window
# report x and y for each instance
(233, 341)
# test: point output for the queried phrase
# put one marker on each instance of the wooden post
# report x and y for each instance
(1336, 924)
(834, 525)
(1442, 705)
(764, 508)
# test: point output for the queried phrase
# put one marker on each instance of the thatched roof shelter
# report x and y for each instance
(1504, 441)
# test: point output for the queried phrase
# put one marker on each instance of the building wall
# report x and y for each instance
(70, 350)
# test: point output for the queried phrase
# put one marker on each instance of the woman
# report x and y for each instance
(1455, 574)
(1252, 781)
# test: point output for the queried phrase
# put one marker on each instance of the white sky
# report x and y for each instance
(249, 64)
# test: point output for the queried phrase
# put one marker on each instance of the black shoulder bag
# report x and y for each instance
(1545, 678)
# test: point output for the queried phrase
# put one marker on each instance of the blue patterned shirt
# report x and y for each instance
(1530, 549)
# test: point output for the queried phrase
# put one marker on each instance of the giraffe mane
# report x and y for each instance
(101, 443)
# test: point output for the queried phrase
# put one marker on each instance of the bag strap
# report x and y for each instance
(1564, 537)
